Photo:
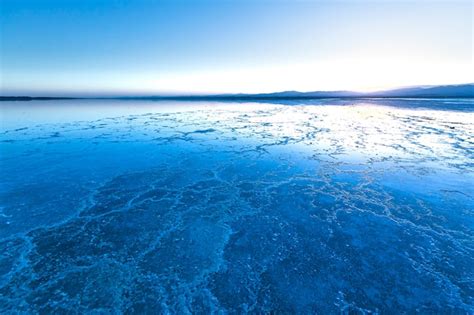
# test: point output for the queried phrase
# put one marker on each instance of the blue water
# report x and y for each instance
(197, 207)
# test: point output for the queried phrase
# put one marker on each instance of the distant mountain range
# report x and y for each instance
(440, 91)
(462, 90)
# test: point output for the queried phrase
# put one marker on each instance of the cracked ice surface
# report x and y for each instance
(127, 206)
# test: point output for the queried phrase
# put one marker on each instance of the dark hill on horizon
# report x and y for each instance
(442, 91)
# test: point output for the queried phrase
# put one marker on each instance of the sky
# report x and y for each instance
(107, 47)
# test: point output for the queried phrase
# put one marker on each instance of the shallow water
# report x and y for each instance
(315, 206)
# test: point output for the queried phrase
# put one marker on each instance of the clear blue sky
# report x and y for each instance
(148, 47)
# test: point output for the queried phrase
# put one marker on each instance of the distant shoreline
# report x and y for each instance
(460, 91)
(36, 98)
(223, 98)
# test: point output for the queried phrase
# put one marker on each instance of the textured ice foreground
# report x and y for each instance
(124, 206)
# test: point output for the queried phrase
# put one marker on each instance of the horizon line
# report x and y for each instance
(400, 92)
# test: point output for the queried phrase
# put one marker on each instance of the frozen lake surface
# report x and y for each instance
(313, 206)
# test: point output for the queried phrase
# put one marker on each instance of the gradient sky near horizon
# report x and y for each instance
(73, 47)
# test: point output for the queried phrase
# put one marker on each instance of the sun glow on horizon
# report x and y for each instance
(361, 75)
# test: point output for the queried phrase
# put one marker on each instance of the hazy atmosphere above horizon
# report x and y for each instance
(150, 47)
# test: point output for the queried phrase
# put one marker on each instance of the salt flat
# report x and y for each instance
(311, 206)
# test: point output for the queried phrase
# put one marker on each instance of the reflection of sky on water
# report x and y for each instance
(172, 206)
